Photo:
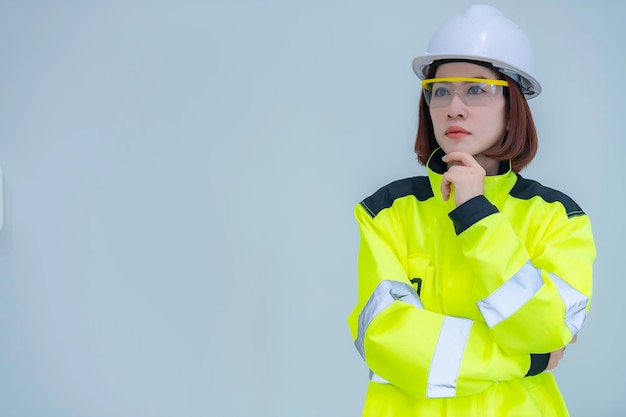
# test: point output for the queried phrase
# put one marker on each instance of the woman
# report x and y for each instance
(472, 279)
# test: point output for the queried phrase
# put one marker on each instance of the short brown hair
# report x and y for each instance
(520, 142)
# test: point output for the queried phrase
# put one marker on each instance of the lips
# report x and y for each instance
(456, 132)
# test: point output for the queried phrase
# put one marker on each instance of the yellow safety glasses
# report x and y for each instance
(438, 92)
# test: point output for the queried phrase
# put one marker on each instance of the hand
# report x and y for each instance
(557, 355)
(467, 176)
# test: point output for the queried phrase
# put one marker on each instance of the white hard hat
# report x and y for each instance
(483, 34)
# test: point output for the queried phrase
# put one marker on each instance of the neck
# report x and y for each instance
(491, 166)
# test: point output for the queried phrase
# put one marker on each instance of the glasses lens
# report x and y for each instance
(439, 94)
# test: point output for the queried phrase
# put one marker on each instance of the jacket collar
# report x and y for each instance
(496, 186)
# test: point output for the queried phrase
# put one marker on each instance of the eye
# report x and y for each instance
(440, 91)
(476, 89)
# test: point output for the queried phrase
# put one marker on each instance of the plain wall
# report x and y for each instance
(179, 179)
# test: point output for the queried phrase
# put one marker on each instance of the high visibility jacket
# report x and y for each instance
(453, 301)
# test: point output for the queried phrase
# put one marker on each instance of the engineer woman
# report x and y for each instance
(472, 279)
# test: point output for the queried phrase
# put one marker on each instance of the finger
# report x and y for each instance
(461, 158)
(445, 189)
(574, 339)
(554, 359)
(558, 355)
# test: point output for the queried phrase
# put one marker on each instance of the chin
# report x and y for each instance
(457, 148)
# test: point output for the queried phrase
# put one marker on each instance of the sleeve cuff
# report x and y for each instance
(471, 212)
(538, 363)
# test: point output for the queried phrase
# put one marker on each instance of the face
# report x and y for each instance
(473, 129)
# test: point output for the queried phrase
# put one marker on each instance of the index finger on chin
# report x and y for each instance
(463, 157)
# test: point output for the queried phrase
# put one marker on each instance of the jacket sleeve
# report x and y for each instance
(532, 302)
(426, 354)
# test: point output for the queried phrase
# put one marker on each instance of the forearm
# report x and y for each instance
(536, 303)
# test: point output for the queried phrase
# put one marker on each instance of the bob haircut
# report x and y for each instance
(520, 141)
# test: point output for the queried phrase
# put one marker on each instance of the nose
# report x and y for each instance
(456, 108)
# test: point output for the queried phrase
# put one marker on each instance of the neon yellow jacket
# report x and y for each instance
(452, 301)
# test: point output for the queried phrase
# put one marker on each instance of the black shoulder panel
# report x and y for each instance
(526, 189)
(419, 187)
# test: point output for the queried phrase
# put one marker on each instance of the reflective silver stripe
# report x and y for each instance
(376, 378)
(511, 295)
(385, 293)
(446, 363)
(575, 304)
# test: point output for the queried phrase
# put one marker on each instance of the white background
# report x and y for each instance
(179, 183)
